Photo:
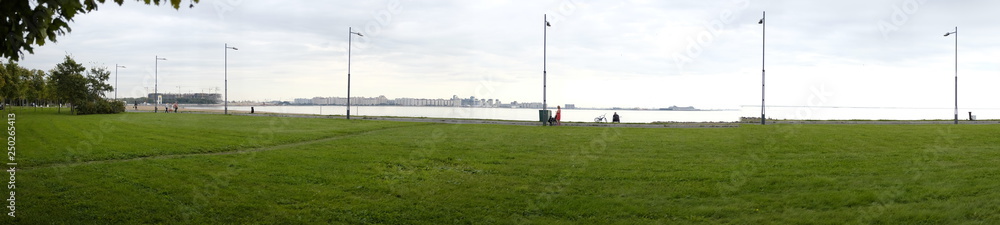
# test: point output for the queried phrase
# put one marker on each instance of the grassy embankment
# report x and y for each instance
(213, 169)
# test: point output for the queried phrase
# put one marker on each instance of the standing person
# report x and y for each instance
(616, 118)
(175, 107)
(558, 116)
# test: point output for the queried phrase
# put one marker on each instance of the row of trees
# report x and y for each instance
(26, 24)
(68, 83)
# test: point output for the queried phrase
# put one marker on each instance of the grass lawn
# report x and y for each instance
(143, 168)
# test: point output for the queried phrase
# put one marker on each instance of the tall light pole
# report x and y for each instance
(763, 41)
(226, 67)
(956, 71)
(116, 80)
(545, 42)
(350, 36)
(156, 84)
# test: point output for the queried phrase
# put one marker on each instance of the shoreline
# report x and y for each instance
(666, 124)
(149, 109)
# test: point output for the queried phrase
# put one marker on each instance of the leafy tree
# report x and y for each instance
(36, 86)
(3, 79)
(69, 83)
(23, 85)
(49, 92)
(14, 87)
(96, 88)
(28, 23)
(85, 93)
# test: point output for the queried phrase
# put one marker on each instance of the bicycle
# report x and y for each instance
(601, 119)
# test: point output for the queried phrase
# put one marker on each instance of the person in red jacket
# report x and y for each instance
(558, 116)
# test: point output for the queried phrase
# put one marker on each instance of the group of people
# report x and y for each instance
(556, 120)
(166, 107)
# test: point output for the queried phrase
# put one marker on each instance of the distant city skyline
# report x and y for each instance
(887, 53)
(455, 100)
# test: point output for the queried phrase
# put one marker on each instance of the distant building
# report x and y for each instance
(455, 101)
(426, 102)
(570, 106)
(675, 108)
(303, 101)
(530, 105)
(321, 101)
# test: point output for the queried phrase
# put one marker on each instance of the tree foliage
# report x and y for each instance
(68, 81)
(3, 78)
(35, 84)
(96, 86)
(30, 23)
(12, 76)
(85, 93)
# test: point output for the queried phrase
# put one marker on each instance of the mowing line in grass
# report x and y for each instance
(236, 151)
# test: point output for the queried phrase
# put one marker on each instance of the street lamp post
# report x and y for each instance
(763, 41)
(116, 80)
(956, 71)
(226, 74)
(350, 36)
(545, 42)
(156, 84)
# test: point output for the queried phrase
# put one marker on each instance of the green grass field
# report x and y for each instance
(143, 168)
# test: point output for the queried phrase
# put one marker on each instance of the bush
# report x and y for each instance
(102, 106)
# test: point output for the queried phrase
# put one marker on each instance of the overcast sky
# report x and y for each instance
(640, 53)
